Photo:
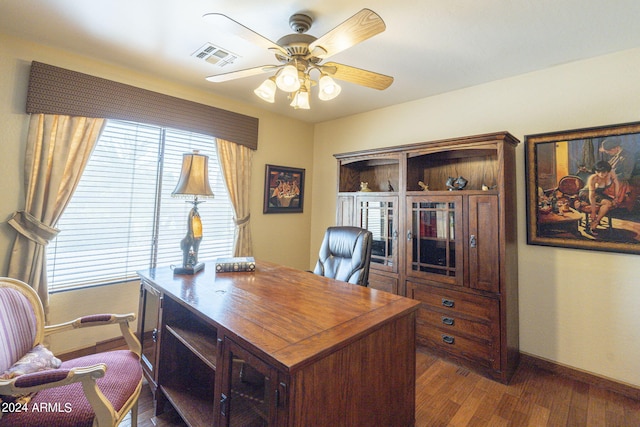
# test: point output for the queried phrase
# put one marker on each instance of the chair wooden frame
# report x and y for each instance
(106, 415)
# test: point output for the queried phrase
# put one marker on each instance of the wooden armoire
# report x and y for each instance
(443, 216)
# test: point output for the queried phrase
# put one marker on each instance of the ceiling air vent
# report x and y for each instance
(215, 55)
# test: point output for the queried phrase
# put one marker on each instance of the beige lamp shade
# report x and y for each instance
(194, 177)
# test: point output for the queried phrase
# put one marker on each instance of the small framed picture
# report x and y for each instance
(283, 189)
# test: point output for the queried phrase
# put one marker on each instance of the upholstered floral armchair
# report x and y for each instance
(37, 389)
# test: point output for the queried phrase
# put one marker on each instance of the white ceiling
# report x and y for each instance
(429, 46)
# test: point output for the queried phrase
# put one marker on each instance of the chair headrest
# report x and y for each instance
(342, 240)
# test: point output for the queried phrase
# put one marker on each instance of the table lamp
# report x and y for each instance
(194, 181)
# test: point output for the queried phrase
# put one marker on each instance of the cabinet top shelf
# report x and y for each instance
(439, 145)
(290, 317)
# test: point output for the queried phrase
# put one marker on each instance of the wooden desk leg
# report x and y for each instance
(159, 403)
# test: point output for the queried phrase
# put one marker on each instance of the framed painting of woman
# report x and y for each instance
(583, 188)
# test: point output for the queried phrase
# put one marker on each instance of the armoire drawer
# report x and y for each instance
(485, 354)
(455, 324)
(383, 283)
(459, 323)
(451, 302)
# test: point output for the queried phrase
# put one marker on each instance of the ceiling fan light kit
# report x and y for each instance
(287, 79)
(301, 99)
(328, 88)
(299, 54)
(267, 90)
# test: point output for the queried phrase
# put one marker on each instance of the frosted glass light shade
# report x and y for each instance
(287, 80)
(301, 100)
(267, 90)
(328, 88)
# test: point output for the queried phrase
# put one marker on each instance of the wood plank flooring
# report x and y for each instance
(450, 395)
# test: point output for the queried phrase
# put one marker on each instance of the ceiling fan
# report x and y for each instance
(300, 54)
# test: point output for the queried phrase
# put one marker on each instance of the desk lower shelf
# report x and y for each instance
(194, 404)
(201, 342)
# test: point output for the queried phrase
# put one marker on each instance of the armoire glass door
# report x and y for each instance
(434, 239)
(379, 215)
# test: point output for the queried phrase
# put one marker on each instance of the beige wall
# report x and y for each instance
(281, 238)
(578, 308)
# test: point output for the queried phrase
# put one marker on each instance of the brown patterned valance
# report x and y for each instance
(54, 90)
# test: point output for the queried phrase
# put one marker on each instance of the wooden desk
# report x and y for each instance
(312, 351)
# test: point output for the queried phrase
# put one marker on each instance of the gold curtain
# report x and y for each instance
(235, 160)
(58, 149)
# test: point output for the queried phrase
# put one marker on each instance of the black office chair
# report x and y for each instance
(345, 254)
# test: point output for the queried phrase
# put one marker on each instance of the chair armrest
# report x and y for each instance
(99, 320)
(91, 320)
(34, 382)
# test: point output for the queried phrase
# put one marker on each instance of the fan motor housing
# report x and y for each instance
(297, 45)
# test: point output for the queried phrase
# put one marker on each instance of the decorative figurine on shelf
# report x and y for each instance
(364, 187)
(451, 183)
(390, 187)
(461, 183)
(425, 187)
(456, 183)
(485, 187)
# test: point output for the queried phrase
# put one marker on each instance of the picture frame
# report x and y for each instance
(283, 189)
(568, 204)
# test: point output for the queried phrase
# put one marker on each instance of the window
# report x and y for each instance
(122, 217)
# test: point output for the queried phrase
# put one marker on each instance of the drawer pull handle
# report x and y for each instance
(448, 321)
(448, 339)
(281, 395)
(448, 302)
(224, 402)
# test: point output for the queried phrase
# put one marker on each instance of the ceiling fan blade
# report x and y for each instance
(240, 74)
(361, 26)
(357, 76)
(224, 23)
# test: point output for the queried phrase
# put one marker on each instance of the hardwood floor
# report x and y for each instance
(450, 395)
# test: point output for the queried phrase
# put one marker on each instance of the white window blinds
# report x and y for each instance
(122, 217)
